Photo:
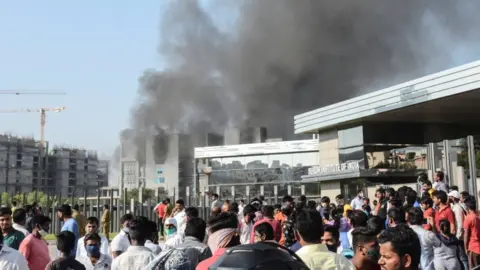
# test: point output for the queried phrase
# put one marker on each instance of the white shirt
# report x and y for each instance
(154, 248)
(357, 203)
(120, 242)
(459, 217)
(173, 241)
(135, 258)
(20, 228)
(240, 208)
(104, 262)
(180, 218)
(350, 238)
(245, 231)
(104, 248)
(10, 259)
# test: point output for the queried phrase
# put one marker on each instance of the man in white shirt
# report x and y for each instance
(216, 203)
(137, 256)
(458, 212)
(179, 213)
(19, 217)
(92, 227)
(246, 224)
(190, 212)
(173, 238)
(439, 183)
(357, 202)
(121, 243)
(10, 259)
(241, 205)
(93, 259)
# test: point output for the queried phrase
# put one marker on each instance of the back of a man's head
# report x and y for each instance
(196, 228)
(65, 241)
(397, 215)
(140, 230)
(191, 212)
(267, 211)
(19, 216)
(362, 236)
(358, 218)
(415, 216)
(309, 225)
(224, 220)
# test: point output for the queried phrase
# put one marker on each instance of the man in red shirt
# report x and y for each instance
(161, 210)
(440, 199)
(428, 212)
(471, 226)
(267, 212)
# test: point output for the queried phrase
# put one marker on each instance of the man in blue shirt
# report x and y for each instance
(64, 213)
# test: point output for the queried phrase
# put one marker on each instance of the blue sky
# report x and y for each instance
(93, 50)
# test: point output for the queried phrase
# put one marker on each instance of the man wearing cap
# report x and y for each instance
(64, 213)
(458, 212)
(173, 238)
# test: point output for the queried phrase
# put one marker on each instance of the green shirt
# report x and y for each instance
(13, 239)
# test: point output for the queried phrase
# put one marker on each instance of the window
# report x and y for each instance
(305, 159)
(350, 137)
(256, 162)
(280, 160)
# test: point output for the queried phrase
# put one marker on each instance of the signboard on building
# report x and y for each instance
(337, 168)
(160, 179)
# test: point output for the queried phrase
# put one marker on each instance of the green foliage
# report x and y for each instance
(147, 194)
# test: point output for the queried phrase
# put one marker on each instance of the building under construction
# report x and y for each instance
(27, 165)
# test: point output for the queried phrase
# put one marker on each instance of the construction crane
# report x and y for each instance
(43, 117)
(22, 92)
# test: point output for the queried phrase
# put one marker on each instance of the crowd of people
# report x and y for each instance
(401, 229)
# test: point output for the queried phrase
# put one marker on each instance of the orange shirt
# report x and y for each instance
(444, 212)
(472, 224)
(280, 217)
(35, 250)
(428, 213)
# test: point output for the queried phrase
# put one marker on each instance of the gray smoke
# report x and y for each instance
(284, 57)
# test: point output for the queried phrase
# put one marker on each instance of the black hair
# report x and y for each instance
(287, 198)
(234, 207)
(105, 206)
(92, 236)
(376, 224)
(390, 191)
(14, 203)
(470, 203)
(312, 205)
(454, 188)
(19, 215)
(411, 197)
(167, 200)
(215, 195)
(440, 175)
(40, 220)
(415, 216)
(397, 214)
(249, 209)
(380, 190)
(358, 191)
(309, 225)
(358, 219)
(333, 231)
(361, 236)
(339, 197)
(404, 241)
(266, 229)
(180, 201)
(302, 198)
(427, 201)
(277, 206)
(223, 220)
(325, 199)
(464, 194)
(242, 201)
(5, 211)
(140, 229)
(126, 217)
(65, 241)
(441, 195)
(337, 215)
(191, 212)
(267, 211)
(153, 227)
(444, 227)
(93, 220)
(76, 207)
(196, 228)
(428, 183)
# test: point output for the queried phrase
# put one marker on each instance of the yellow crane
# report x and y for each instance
(43, 117)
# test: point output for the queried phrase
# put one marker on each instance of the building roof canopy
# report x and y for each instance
(450, 96)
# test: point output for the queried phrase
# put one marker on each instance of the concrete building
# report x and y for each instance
(73, 171)
(389, 136)
(22, 165)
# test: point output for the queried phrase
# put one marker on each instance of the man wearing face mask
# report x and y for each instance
(366, 249)
(121, 242)
(93, 259)
(173, 238)
(33, 247)
(92, 227)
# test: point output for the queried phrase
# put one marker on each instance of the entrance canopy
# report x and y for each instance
(450, 96)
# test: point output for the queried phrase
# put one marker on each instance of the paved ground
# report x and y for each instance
(52, 249)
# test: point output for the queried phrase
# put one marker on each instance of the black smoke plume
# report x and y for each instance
(284, 57)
